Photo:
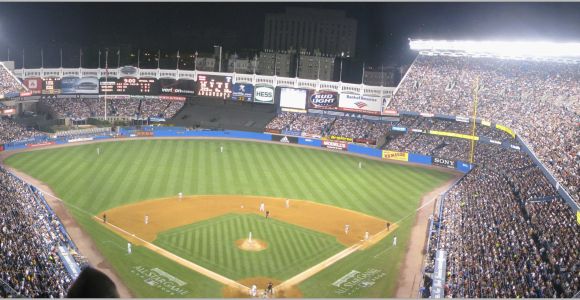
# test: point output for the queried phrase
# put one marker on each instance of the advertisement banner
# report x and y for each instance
(68, 85)
(184, 87)
(292, 132)
(77, 140)
(144, 133)
(395, 155)
(34, 85)
(399, 129)
(267, 130)
(311, 135)
(427, 115)
(243, 92)
(358, 103)
(442, 162)
(87, 85)
(341, 138)
(323, 100)
(365, 141)
(455, 135)
(40, 144)
(293, 98)
(215, 86)
(506, 129)
(264, 94)
(172, 98)
(285, 139)
(462, 119)
(335, 145)
(389, 112)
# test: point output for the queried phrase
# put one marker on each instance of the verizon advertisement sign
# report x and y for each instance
(361, 104)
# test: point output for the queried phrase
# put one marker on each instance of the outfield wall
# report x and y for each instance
(154, 131)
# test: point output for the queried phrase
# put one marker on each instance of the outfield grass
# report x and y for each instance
(291, 249)
(131, 171)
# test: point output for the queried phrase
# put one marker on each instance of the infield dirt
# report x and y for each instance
(168, 213)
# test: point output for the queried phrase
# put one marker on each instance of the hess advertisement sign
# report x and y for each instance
(264, 94)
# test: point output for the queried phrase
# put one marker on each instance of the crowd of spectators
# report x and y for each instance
(9, 83)
(83, 108)
(507, 233)
(11, 131)
(298, 122)
(29, 237)
(540, 101)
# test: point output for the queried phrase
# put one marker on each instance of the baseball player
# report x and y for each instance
(104, 218)
(222, 149)
(287, 203)
(98, 151)
(388, 226)
(146, 219)
(262, 207)
(270, 289)
(129, 248)
(267, 214)
(395, 241)
(366, 236)
(254, 291)
(346, 228)
(360, 164)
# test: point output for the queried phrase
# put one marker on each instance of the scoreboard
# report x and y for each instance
(51, 86)
(130, 86)
(214, 86)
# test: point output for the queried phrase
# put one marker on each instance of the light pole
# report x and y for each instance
(195, 61)
(220, 59)
(340, 74)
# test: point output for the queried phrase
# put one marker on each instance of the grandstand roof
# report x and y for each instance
(523, 50)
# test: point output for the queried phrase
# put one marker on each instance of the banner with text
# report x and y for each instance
(358, 103)
(395, 155)
(335, 145)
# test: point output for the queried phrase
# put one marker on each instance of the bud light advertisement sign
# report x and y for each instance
(243, 92)
(324, 100)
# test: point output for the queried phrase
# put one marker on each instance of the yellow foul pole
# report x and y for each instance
(475, 93)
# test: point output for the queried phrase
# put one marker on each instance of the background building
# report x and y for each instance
(279, 63)
(328, 31)
(315, 66)
(381, 76)
(242, 65)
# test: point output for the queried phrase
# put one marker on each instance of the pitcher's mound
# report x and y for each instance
(254, 245)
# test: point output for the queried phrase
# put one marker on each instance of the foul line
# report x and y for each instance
(184, 262)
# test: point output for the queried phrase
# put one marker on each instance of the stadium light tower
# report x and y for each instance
(507, 49)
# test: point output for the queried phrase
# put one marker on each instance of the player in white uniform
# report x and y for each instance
(129, 248)
(146, 219)
(262, 207)
(287, 203)
(346, 228)
(222, 149)
(395, 241)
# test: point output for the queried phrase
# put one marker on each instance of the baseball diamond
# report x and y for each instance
(193, 237)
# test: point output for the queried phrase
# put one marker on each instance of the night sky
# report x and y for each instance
(383, 28)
